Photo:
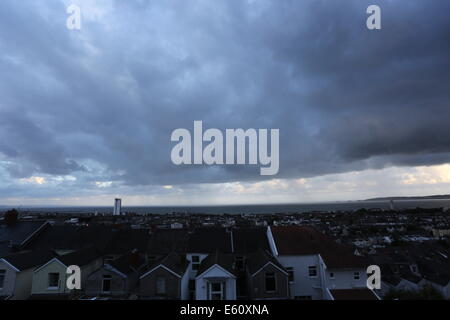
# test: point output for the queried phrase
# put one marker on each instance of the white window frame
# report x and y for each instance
(221, 292)
(109, 278)
(313, 268)
(274, 279)
(196, 264)
(53, 287)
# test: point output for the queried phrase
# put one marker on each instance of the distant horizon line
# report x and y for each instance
(380, 199)
(178, 205)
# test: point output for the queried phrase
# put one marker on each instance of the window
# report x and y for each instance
(271, 283)
(356, 275)
(216, 290)
(312, 270)
(161, 286)
(195, 262)
(331, 275)
(53, 280)
(2, 278)
(106, 287)
(290, 271)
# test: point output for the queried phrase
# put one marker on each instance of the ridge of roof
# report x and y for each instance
(307, 240)
(30, 259)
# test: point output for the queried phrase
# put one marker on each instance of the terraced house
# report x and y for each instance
(318, 267)
(207, 263)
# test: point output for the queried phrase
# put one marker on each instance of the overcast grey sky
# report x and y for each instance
(87, 115)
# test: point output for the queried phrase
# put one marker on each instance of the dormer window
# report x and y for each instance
(195, 262)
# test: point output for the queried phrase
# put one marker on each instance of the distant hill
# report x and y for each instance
(435, 197)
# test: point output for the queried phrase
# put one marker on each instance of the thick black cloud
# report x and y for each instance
(344, 98)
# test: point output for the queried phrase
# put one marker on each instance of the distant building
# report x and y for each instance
(117, 207)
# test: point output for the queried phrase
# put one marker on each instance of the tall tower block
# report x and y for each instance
(117, 206)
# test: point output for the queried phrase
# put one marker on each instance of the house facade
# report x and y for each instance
(16, 273)
(267, 279)
(166, 279)
(216, 279)
(117, 279)
(51, 278)
(315, 263)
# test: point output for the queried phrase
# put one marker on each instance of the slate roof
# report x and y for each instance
(209, 240)
(81, 257)
(71, 237)
(353, 294)
(390, 279)
(31, 259)
(248, 240)
(19, 231)
(306, 240)
(411, 277)
(259, 259)
(123, 241)
(174, 262)
(124, 264)
(435, 271)
(431, 258)
(224, 260)
(164, 241)
(4, 249)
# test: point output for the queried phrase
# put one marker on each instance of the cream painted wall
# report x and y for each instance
(40, 278)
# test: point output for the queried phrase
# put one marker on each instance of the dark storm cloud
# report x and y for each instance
(101, 103)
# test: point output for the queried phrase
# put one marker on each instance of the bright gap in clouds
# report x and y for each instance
(357, 185)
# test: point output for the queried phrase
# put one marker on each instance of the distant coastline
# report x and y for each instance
(433, 197)
(384, 204)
